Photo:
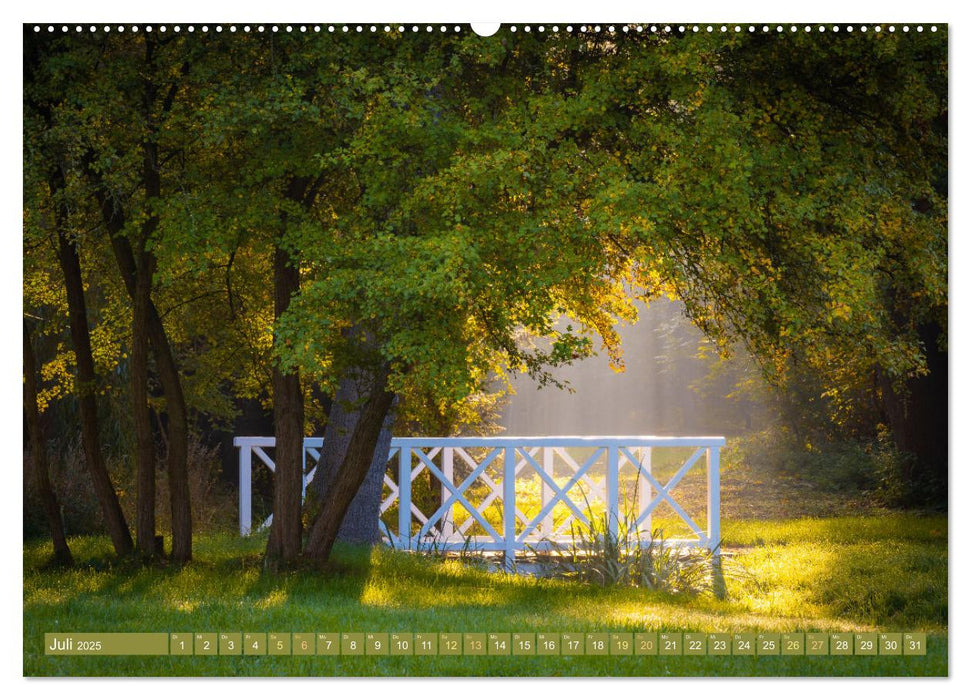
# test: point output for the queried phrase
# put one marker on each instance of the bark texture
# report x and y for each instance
(360, 524)
(145, 541)
(341, 485)
(285, 541)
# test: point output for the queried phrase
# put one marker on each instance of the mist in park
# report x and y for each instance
(673, 384)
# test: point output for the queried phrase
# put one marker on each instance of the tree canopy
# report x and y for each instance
(442, 200)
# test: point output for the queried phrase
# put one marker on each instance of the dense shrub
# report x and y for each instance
(213, 503)
(874, 468)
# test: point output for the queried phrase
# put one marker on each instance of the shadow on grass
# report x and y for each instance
(224, 585)
(886, 573)
(898, 588)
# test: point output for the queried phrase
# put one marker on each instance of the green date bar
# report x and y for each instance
(106, 644)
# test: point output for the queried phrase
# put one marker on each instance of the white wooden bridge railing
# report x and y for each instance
(578, 478)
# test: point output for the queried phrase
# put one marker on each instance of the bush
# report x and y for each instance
(214, 506)
(213, 503)
(832, 466)
(902, 485)
(75, 494)
(874, 469)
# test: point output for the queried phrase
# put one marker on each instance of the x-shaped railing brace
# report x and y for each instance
(559, 494)
(664, 492)
(457, 493)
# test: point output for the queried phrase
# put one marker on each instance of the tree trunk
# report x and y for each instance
(168, 373)
(343, 485)
(178, 444)
(360, 524)
(284, 542)
(918, 421)
(85, 384)
(38, 454)
(178, 435)
(113, 216)
(145, 448)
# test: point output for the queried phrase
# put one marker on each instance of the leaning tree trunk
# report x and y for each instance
(178, 435)
(284, 544)
(360, 524)
(168, 373)
(341, 420)
(178, 438)
(342, 484)
(85, 388)
(38, 454)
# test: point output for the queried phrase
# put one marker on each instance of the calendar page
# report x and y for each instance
(522, 349)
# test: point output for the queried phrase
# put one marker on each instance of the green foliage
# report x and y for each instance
(446, 246)
(75, 494)
(449, 198)
(902, 484)
(873, 471)
(460, 202)
(789, 192)
(844, 467)
(92, 103)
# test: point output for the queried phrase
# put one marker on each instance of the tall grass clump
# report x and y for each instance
(632, 558)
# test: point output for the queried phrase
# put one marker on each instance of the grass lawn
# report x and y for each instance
(874, 572)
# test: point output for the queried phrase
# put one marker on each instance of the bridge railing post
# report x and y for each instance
(448, 471)
(714, 499)
(613, 491)
(644, 489)
(509, 507)
(245, 489)
(404, 497)
(546, 527)
(303, 471)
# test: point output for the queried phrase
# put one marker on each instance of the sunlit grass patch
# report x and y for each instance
(847, 529)
(886, 572)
